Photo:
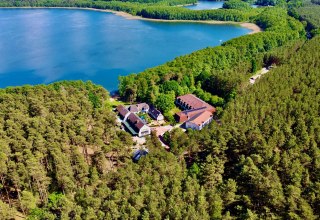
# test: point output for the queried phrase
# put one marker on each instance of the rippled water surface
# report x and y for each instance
(201, 5)
(47, 45)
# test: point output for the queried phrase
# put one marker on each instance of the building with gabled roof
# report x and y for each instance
(141, 107)
(132, 122)
(136, 126)
(200, 120)
(155, 113)
(123, 112)
(197, 113)
(190, 101)
(188, 114)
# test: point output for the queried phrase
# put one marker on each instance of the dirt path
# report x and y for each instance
(258, 75)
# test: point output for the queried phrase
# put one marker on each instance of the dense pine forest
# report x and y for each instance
(261, 162)
(63, 156)
(215, 74)
(54, 140)
(310, 13)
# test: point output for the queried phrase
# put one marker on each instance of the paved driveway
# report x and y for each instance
(161, 130)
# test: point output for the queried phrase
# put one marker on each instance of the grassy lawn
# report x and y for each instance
(115, 102)
(174, 110)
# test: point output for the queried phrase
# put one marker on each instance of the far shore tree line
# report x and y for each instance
(215, 74)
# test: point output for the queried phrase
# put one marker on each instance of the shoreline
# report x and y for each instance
(251, 26)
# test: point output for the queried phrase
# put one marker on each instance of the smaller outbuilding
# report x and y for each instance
(141, 107)
(155, 114)
(138, 154)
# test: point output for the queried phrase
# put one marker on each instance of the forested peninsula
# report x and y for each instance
(63, 156)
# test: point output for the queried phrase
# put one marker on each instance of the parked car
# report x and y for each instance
(139, 153)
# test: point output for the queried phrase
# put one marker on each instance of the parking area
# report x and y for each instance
(161, 129)
(139, 142)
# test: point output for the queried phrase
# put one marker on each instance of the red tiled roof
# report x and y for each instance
(194, 102)
(135, 121)
(196, 105)
(122, 110)
(201, 118)
(185, 115)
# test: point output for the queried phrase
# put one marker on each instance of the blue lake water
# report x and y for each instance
(46, 45)
(201, 5)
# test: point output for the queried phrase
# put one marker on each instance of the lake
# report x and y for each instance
(202, 5)
(46, 45)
